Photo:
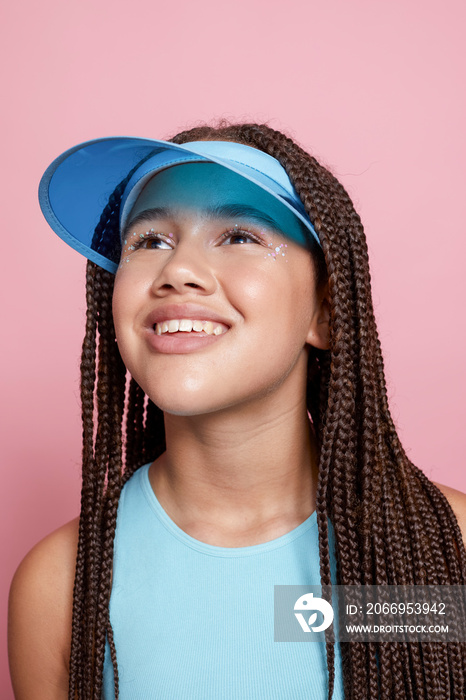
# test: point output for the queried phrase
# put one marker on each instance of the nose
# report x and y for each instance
(186, 269)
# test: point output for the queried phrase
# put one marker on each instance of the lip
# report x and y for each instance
(181, 342)
(191, 311)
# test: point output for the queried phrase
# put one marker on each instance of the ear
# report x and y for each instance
(319, 333)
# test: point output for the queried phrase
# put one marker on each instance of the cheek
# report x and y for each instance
(120, 305)
(277, 251)
(127, 290)
(277, 283)
(250, 286)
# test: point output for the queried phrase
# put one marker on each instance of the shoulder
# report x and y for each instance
(40, 614)
(457, 500)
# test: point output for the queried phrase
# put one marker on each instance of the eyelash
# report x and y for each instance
(242, 232)
(148, 236)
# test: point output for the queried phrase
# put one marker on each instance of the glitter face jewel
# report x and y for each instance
(277, 251)
(123, 261)
(124, 252)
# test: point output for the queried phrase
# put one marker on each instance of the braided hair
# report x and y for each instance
(392, 525)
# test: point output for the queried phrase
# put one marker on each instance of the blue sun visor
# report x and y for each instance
(76, 188)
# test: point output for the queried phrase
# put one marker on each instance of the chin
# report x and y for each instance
(185, 408)
(185, 400)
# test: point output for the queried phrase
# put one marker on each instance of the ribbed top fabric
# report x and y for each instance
(193, 621)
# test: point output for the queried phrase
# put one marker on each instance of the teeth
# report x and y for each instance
(186, 325)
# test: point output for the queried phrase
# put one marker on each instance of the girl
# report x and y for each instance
(228, 274)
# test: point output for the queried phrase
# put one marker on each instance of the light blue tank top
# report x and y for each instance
(193, 621)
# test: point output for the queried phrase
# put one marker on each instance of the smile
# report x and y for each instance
(187, 325)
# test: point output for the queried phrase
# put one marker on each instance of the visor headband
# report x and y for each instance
(76, 187)
(251, 163)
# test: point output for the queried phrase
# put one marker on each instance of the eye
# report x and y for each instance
(238, 236)
(151, 241)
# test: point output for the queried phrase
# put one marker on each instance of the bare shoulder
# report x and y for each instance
(457, 500)
(39, 616)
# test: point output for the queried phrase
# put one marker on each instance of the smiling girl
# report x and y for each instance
(250, 444)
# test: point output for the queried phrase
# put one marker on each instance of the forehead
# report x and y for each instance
(210, 189)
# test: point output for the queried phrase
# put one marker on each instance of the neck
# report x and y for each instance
(238, 476)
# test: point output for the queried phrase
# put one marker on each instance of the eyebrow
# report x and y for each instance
(220, 211)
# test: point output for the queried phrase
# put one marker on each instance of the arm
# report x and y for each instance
(39, 617)
(457, 500)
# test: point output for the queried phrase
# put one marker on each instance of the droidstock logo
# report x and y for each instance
(310, 602)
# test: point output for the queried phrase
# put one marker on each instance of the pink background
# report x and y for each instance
(376, 90)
